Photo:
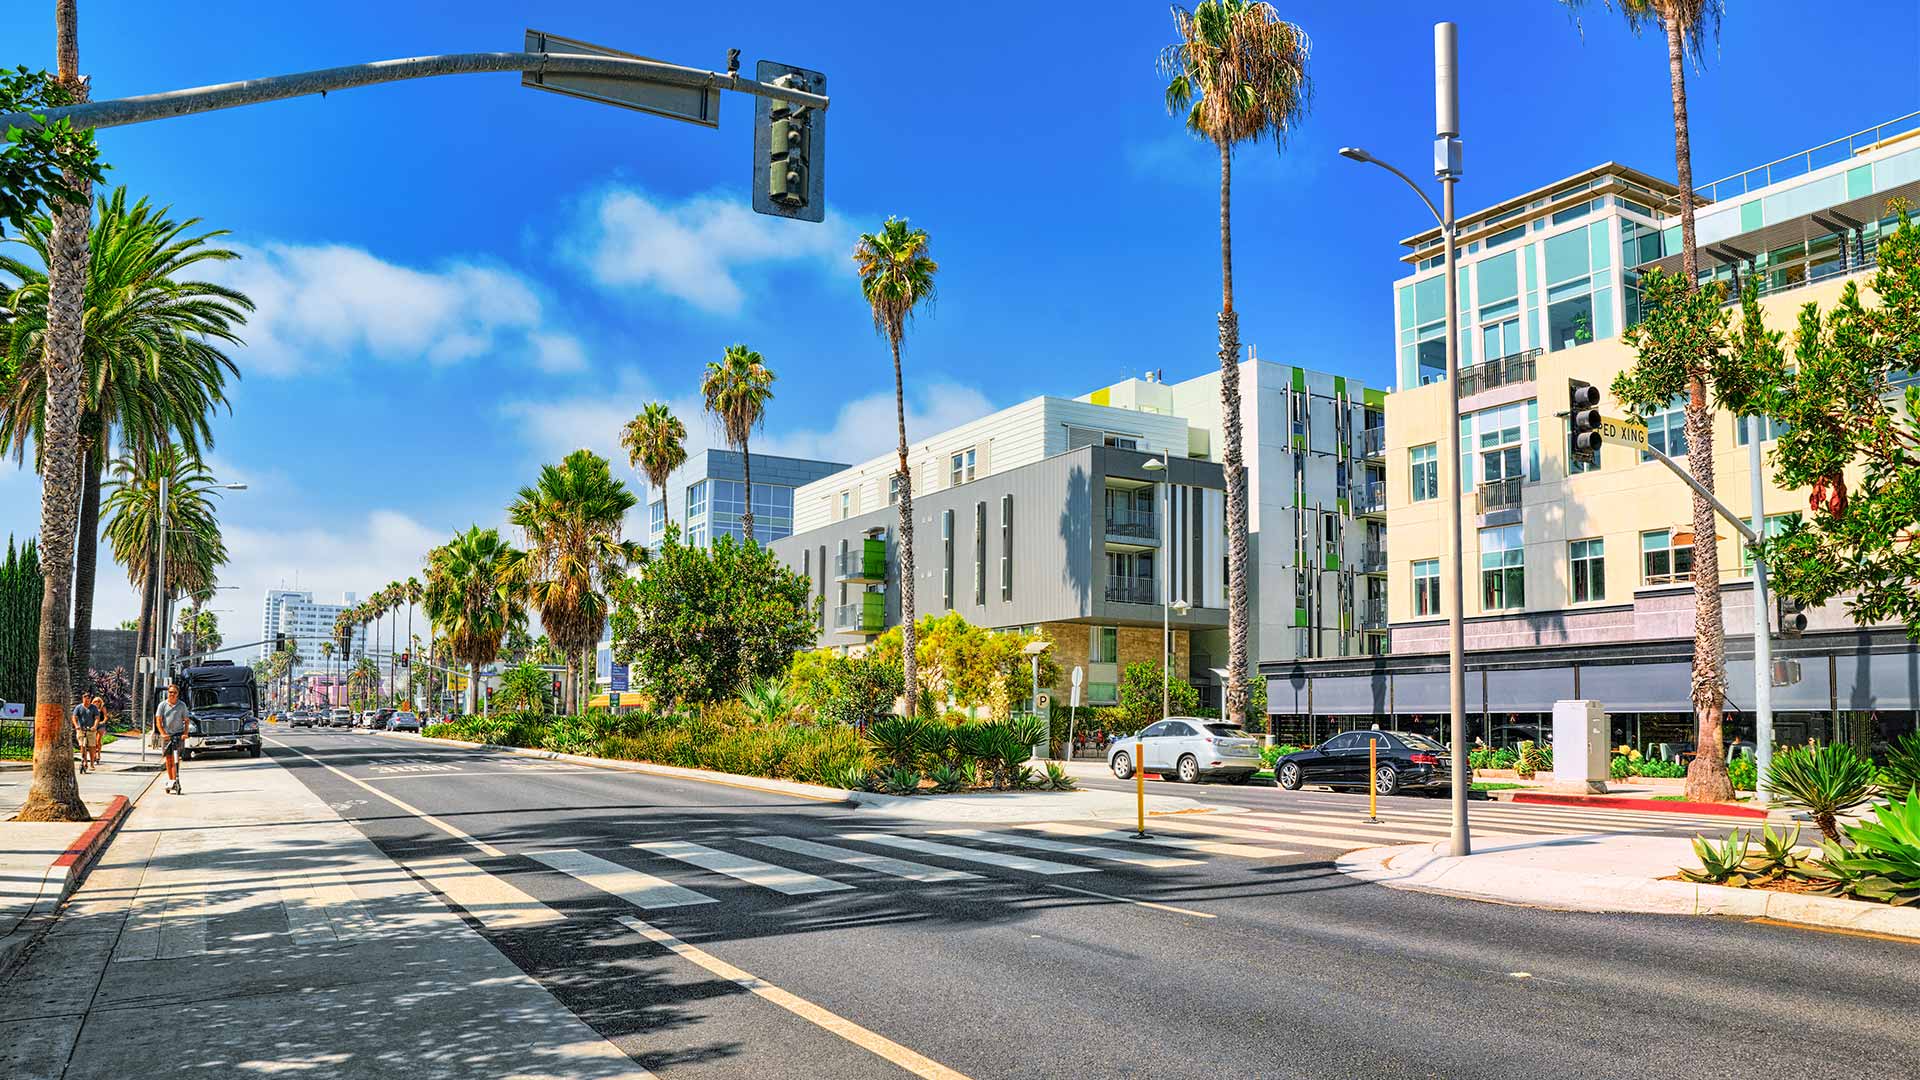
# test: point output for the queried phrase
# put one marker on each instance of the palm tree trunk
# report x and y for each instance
(86, 562)
(1235, 705)
(55, 792)
(143, 644)
(909, 665)
(1707, 779)
(746, 471)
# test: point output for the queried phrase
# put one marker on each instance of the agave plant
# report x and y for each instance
(1057, 778)
(1024, 778)
(1780, 856)
(901, 780)
(769, 701)
(1723, 863)
(946, 778)
(850, 777)
(1825, 782)
(1900, 768)
(897, 739)
(1884, 863)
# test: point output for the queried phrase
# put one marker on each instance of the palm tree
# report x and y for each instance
(1239, 73)
(572, 519)
(55, 792)
(326, 653)
(468, 597)
(411, 591)
(1687, 26)
(656, 445)
(737, 388)
(154, 369)
(896, 276)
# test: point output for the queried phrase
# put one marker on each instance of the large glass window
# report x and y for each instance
(657, 516)
(961, 467)
(1667, 429)
(1587, 563)
(1770, 429)
(696, 500)
(772, 510)
(1104, 648)
(1426, 587)
(1503, 572)
(1500, 444)
(1662, 562)
(1426, 472)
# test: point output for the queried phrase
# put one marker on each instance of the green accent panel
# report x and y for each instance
(873, 610)
(1340, 505)
(1670, 239)
(1333, 557)
(1499, 278)
(1567, 256)
(1300, 379)
(1339, 386)
(1406, 307)
(1299, 442)
(1300, 616)
(1859, 183)
(873, 558)
(1750, 215)
(1375, 398)
(1602, 250)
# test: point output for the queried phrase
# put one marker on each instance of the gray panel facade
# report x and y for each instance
(1636, 687)
(1353, 695)
(1528, 689)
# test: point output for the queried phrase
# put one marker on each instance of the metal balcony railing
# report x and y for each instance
(1132, 590)
(1373, 559)
(859, 565)
(1370, 498)
(1373, 614)
(1520, 367)
(1497, 495)
(1373, 442)
(866, 615)
(1131, 523)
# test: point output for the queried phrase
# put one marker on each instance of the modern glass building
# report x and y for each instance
(716, 497)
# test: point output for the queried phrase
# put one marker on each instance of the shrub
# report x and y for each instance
(1825, 782)
(769, 701)
(898, 740)
(1654, 767)
(1900, 771)
(1057, 778)
(1527, 763)
(1722, 863)
(1743, 772)
(946, 778)
(1504, 758)
(1141, 692)
(900, 780)
(1619, 768)
(1884, 863)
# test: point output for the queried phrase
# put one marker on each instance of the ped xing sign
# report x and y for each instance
(694, 104)
(1624, 432)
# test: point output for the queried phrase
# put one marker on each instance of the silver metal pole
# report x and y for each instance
(1166, 602)
(1446, 166)
(160, 626)
(1762, 622)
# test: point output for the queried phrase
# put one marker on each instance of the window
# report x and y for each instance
(946, 564)
(1662, 562)
(1426, 473)
(846, 504)
(1588, 570)
(980, 553)
(1426, 587)
(1123, 442)
(1775, 525)
(1770, 429)
(893, 490)
(1503, 574)
(772, 510)
(696, 500)
(961, 467)
(843, 584)
(1667, 429)
(1105, 646)
(657, 516)
(1500, 444)
(1006, 547)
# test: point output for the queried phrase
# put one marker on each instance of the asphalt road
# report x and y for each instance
(1221, 965)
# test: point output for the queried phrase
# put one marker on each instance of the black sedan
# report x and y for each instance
(1403, 761)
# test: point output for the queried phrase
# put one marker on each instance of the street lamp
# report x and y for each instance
(1446, 169)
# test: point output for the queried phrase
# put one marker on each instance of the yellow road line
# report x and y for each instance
(879, 1045)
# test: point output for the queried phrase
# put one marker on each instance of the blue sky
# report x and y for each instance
(460, 278)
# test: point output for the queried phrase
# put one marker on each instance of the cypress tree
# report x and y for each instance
(19, 621)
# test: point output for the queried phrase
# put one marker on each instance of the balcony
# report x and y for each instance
(1370, 497)
(865, 562)
(1373, 442)
(1132, 526)
(1497, 495)
(1373, 615)
(1373, 559)
(1132, 590)
(866, 615)
(1518, 368)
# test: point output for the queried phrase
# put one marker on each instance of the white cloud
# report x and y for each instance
(359, 557)
(698, 250)
(558, 353)
(317, 303)
(869, 426)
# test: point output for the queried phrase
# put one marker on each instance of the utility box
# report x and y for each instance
(1581, 753)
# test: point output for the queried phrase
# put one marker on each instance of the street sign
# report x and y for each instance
(694, 104)
(1078, 675)
(1624, 432)
(1042, 703)
(1786, 672)
(617, 678)
(809, 125)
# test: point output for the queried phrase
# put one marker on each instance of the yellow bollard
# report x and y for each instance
(1373, 791)
(1140, 785)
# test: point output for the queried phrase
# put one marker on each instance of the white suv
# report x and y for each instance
(1189, 748)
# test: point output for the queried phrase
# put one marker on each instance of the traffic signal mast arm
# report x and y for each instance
(1746, 531)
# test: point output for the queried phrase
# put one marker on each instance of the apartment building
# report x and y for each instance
(1079, 519)
(294, 612)
(1578, 575)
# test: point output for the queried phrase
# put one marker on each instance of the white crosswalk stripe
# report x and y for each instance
(1390, 824)
(490, 898)
(1210, 847)
(962, 854)
(753, 871)
(640, 889)
(1089, 851)
(864, 860)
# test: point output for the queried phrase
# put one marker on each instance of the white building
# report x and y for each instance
(287, 611)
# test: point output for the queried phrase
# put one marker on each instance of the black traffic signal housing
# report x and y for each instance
(346, 647)
(789, 146)
(1792, 616)
(406, 659)
(1583, 420)
(280, 643)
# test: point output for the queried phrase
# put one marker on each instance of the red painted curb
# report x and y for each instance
(1615, 802)
(86, 850)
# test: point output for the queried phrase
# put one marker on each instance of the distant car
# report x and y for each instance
(404, 721)
(1189, 748)
(300, 719)
(378, 721)
(1403, 761)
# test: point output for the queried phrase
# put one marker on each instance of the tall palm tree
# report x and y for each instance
(896, 276)
(411, 591)
(1688, 26)
(469, 598)
(1239, 73)
(326, 654)
(737, 388)
(155, 371)
(55, 791)
(572, 519)
(656, 445)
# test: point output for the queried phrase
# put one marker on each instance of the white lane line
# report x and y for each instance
(879, 1045)
(642, 890)
(865, 860)
(1209, 847)
(752, 871)
(497, 903)
(961, 854)
(1129, 900)
(1090, 851)
(483, 847)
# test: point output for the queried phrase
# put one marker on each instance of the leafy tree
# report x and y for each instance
(737, 388)
(1140, 693)
(1851, 435)
(468, 599)
(852, 689)
(20, 588)
(970, 666)
(114, 688)
(896, 276)
(655, 442)
(525, 687)
(202, 628)
(1239, 74)
(703, 623)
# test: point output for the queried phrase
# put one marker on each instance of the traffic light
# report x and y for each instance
(1793, 616)
(489, 693)
(1583, 420)
(280, 643)
(789, 146)
(406, 659)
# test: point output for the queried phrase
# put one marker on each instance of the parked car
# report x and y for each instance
(1189, 748)
(404, 720)
(1403, 761)
(378, 720)
(300, 719)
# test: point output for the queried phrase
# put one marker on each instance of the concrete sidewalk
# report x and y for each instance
(274, 937)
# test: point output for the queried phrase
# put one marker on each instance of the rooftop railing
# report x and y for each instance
(1519, 367)
(1806, 161)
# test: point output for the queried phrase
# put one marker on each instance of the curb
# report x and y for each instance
(72, 868)
(1672, 806)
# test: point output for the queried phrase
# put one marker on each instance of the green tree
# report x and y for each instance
(896, 276)
(1851, 435)
(524, 688)
(36, 163)
(572, 519)
(655, 442)
(469, 599)
(737, 388)
(1141, 689)
(969, 666)
(702, 623)
(1666, 369)
(202, 628)
(1239, 74)
(20, 591)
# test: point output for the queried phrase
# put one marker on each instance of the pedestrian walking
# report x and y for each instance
(171, 719)
(94, 737)
(85, 730)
